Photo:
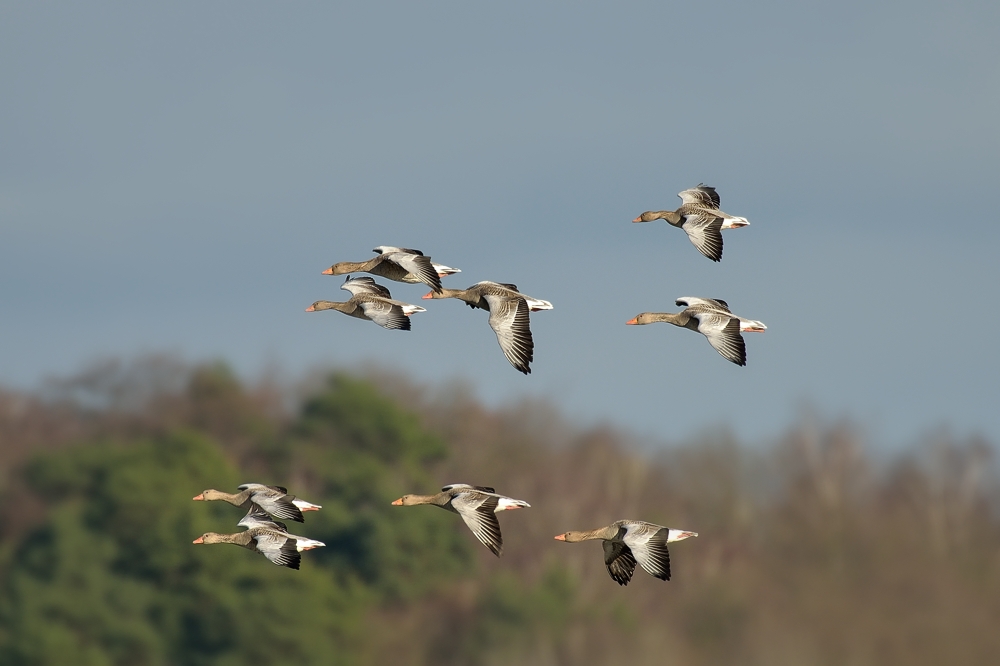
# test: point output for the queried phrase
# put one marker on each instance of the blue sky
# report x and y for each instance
(174, 178)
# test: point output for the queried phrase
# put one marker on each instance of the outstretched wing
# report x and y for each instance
(710, 302)
(620, 561)
(454, 486)
(705, 233)
(419, 265)
(478, 510)
(257, 517)
(649, 546)
(723, 333)
(509, 320)
(384, 313)
(279, 549)
(365, 285)
(703, 195)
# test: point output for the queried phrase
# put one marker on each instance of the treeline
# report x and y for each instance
(811, 550)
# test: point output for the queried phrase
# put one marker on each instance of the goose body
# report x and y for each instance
(271, 541)
(477, 505)
(371, 301)
(509, 310)
(700, 218)
(398, 264)
(273, 500)
(627, 542)
(712, 318)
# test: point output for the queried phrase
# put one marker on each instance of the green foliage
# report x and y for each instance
(111, 576)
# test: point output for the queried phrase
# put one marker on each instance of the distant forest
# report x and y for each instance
(812, 550)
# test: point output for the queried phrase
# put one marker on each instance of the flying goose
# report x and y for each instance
(712, 318)
(273, 543)
(508, 310)
(477, 505)
(629, 541)
(699, 216)
(399, 264)
(274, 500)
(371, 301)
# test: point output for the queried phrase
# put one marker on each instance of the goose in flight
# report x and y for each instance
(399, 264)
(712, 318)
(270, 540)
(627, 542)
(700, 218)
(370, 300)
(508, 310)
(477, 505)
(274, 500)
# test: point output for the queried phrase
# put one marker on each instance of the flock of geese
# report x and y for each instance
(699, 217)
(626, 542)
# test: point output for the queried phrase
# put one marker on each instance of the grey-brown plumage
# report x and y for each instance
(700, 218)
(628, 542)
(368, 302)
(395, 263)
(509, 310)
(712, 318)
(274, 543)
(273, 500)
(477, 505)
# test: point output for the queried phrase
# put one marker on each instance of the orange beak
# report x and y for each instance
(634, 321)
(310, 309)
(199, 540)
(328, 271)
(199, 498)
(560, 537)
(638, 219)
(398, 502)
(428, 295)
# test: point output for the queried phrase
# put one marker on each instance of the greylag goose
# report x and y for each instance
(477, 505)
(508, 310)
(399, 264)
(629, 541)
(371, 301)
(275, 500)
(699, 216)
(712, 318)
(273, 543)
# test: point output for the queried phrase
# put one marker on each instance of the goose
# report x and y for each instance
(274, 500)
(712, 318)
(477, 505)
(366, 302)
(699, 216)
(508, 309)
(273, 543)
(629, 541)
(399, 264)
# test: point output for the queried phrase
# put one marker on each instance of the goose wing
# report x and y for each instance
(277, 502)
(509, 320)
(619, 560)
(704, 230)
(702, 195)
(383, 312)
(649, 546)
(257, 517)
(420, 266)
(723, 333)
(278, 548)
(478, 510)
(709, 302)
(364, 285)
(456, 486)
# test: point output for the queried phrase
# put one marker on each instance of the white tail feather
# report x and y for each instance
(537, 304)
(734, 222)
(442, 270)
(751, 325)
(306, 506)
(410, 309)
(506, 503)
(307, 544)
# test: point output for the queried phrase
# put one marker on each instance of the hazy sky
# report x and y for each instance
(174, 177)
